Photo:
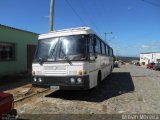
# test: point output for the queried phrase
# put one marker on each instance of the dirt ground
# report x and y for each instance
(129, 89)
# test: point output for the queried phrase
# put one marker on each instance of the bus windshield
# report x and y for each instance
(60, 48)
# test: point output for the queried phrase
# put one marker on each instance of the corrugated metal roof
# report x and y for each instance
(17, 29)
(149, 52)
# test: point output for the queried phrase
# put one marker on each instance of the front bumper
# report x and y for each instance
(62, 82)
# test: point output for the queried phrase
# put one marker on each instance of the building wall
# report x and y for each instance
(149, 57)
(21, 39)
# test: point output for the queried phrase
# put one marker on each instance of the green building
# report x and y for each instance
(17, 48)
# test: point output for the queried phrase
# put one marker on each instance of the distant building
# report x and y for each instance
(150, 57)
(17, 48)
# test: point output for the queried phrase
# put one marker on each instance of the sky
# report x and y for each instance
(135, 24)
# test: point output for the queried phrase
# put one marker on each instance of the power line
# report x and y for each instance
(149, 2)
(76, 13)
(80, 18)
(89, 18)
(101, 8)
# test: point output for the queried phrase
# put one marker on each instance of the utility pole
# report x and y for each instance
(51, 15)
(117, 55)
(105, 36)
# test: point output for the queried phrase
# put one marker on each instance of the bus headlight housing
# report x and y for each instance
(35, 79)
(72, 80)
(82, 72)
(79, 80)
(40, 79)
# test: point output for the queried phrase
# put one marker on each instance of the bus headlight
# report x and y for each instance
(79, 80)
(72, 80)
(40, 79)
(35, 79)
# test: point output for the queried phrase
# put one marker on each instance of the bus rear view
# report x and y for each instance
(67, 59)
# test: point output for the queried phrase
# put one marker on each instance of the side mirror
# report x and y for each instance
(93, 57)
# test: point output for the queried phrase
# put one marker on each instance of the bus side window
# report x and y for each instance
(92, 43)
(107, 51)
(103, 48)
(110, 52)
(98, 46)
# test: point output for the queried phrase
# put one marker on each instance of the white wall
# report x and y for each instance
(149, 57)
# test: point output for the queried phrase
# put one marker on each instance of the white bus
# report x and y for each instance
(71, 59)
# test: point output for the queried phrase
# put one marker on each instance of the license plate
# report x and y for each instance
(55, 87)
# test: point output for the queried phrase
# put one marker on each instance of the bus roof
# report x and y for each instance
(70, 31)
(67, 32)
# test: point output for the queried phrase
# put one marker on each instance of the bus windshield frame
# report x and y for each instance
(63, 48)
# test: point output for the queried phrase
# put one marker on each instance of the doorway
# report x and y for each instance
(30, 56)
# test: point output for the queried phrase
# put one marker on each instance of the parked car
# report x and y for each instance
(156, 66)
(137, 64)
(116, 64)
(7, 105)
(150, 65)
(123, 63)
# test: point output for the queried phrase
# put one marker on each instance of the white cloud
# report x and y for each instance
(129, 8)
(145, 47)
(47, 16)
(155, 43)
(134, 49)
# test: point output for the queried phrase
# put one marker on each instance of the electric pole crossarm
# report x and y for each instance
(105, 35)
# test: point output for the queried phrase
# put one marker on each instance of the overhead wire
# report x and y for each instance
(80, 18)
(82, 21)
(88, 15)
(102, 10)
(152, 3)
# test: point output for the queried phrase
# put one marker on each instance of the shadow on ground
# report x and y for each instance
(116, 84)
(8, 83)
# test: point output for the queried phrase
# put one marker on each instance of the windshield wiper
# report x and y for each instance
(41, 60)
(53, 51)
(67, 59)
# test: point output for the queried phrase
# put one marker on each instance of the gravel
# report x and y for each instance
(129, 89)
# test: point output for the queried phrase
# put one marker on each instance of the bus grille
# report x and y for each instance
(55, 70)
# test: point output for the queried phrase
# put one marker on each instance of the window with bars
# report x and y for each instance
(7, 51)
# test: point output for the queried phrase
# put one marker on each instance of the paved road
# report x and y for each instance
(129, 89)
